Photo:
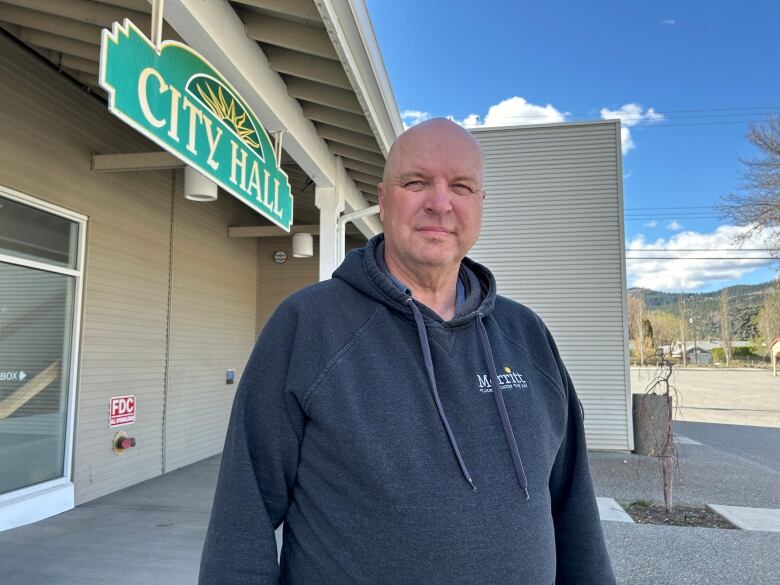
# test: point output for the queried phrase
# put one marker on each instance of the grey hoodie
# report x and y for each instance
(373, 429)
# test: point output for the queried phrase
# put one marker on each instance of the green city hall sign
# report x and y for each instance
(177, 99)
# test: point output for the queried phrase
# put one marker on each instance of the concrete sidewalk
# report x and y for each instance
(152, 533)
(650, 555)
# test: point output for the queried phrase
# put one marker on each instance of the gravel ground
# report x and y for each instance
(741, 396)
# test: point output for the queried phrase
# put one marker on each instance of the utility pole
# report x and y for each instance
(681, 305)
(695, 349)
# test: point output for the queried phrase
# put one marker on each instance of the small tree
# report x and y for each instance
(636, 323)
(665, 327)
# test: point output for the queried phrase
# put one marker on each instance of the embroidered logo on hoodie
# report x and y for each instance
(509, 380)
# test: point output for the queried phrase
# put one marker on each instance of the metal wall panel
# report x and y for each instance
(553, 236)
(278, 281)
(50, 128)
(213, 315)
(146, 252)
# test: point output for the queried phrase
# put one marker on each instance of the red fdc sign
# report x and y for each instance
(121, 411)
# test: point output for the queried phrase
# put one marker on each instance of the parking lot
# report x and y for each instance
(740, 396)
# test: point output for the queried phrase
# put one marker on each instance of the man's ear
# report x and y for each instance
(381, 191)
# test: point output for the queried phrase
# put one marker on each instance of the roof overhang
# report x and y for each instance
(311, 68)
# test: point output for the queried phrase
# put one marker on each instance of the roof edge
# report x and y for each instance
(550, 125)
(349, 27)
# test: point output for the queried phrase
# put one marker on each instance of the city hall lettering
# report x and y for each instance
(245, 172)
(172, 95)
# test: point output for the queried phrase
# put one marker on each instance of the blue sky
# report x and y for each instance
(684, 76)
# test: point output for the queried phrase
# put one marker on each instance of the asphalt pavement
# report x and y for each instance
(152, 533)
(759, 444)
(732, 465)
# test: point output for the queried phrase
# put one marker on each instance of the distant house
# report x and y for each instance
(774, 351)
(701, 353)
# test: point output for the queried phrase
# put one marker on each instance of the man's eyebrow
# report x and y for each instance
(411, 175)
(466, 178)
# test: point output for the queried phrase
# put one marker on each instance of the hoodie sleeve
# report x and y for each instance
(259, 464)
(582, 557)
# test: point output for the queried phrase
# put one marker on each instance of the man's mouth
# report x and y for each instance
(435, 229)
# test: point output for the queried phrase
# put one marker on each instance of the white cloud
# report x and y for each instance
(674, 226)
(630, 115)
(514, 111)
(650, 224)
(412, 117)
(669, 22)
(695, 272)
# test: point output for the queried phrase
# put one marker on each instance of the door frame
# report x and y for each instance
(39, 501)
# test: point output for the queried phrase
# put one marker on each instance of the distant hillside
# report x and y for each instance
(744, 303)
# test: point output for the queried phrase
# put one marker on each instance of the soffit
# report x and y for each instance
(290, 33)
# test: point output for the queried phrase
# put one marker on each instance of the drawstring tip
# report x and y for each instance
(527, 495)
(473, 487)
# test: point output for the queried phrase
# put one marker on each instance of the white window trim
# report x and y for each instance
(39, 501)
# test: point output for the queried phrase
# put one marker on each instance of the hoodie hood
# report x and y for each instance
(364, 269)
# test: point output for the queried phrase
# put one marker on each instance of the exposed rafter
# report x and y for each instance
(320, 113)
(290, 35)
(58, 43)
(356, 154)
(302, 9)
(365, 178)
(347, 137)
(333, 97)
(307, 66)
(91, 12)
(363, 167)
(82, 31)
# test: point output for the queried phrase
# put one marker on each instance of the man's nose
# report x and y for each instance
(439, 199)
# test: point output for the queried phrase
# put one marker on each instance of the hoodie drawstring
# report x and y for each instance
(510, 438)
(429, 366)
(502, 413)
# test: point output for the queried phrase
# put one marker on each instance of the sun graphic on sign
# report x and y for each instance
(228, 110)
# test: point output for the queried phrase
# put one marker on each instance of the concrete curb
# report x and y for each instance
(757, 519)
(754, 519)
(611, 511)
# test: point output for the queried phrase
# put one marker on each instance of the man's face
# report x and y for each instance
(431, 199)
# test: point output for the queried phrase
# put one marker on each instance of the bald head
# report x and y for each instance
(430, 201)
(436, 134)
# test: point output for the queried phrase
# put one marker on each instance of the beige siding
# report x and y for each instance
(553, 236)
(50, 128)
(168, 345)
(278, 281)
(213, 314)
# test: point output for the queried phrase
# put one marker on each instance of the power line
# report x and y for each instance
(663, 208)
(699, 250)
(705, 258)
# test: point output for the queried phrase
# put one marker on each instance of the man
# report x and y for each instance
(406, 423)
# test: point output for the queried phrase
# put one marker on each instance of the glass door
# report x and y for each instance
(39, 280)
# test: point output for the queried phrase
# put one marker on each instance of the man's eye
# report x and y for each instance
(413, 184)
(462, 189)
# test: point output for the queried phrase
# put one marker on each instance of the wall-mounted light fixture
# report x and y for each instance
(303, 245)
(197, 187)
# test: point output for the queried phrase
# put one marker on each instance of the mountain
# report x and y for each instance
(744, 304)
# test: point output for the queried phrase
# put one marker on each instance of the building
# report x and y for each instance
(127, 310)
(553, 236)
